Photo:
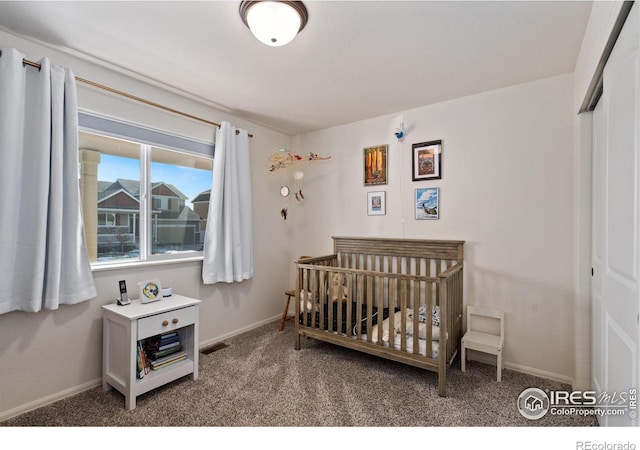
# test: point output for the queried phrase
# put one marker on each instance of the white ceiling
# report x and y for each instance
(354, 59)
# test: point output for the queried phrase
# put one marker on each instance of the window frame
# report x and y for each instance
(147, 138)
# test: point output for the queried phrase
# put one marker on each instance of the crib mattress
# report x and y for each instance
(422, 345)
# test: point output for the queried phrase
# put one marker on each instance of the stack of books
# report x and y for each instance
(143, 363)
(163, 350)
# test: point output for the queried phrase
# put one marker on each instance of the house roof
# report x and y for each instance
(106, 188)
(177, 191)
(132, 187)
(202, 196)
(188, 214)
(102, 185)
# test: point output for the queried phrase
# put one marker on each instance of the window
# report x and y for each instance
(117, 176)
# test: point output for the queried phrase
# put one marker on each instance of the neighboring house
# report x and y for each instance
(201, 207)
(174, 225)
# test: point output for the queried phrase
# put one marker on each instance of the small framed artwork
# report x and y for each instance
(427, 203)
(377, 203)
(375, 165)
(150, 291)
(427, 160)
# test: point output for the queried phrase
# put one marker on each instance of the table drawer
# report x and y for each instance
(161, 323)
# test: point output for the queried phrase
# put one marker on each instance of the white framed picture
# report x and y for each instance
(427, 203)
(150, 291)
(376, 203)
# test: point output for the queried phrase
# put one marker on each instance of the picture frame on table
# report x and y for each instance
(375, 165)
(376, 203)
(150, 291)
(427, 201)
(426, 160)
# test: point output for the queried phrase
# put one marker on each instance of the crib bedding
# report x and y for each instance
(305, 317)
(422, 341)
(422, 345)
(397, 325)
(409, 332)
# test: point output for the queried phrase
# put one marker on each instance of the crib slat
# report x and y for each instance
(393, 301)
(322, 301)
(403, 316)
(369, 305)
(380, 316)
(360, 297)
(442, 347)
(306, 316)
(348, 321)
(300, 305)
(330, 302)
(451, 303)
(429, 285)
(437, 290)
(429, 323)
(429, 307)
(310, 286)
(397, 283)
(416, 317)
(339, 305)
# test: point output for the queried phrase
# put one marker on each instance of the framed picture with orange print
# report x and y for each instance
(375, 165)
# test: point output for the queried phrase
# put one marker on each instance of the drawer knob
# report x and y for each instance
(165, 323)
(175, 321)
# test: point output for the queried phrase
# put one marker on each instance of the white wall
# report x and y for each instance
(48, 355)
(507, 190)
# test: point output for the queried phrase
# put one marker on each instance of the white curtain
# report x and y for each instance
(43, 256)
(228, 246)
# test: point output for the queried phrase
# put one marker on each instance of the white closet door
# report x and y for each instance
(615, 222)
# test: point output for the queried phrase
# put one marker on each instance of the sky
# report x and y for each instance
(190, 181)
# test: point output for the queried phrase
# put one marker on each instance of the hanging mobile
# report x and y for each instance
(298, 176)
(284, 193)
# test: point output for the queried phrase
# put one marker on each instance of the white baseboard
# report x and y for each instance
(539, 373)
(222, 337)
(491, 360)
(50, 399)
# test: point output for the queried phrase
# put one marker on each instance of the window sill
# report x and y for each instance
(97, 267)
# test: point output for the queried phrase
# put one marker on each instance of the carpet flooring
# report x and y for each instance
(259, 380)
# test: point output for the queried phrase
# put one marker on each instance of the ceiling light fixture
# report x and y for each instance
(274, 23)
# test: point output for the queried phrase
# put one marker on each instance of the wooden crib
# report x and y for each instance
(372, 293)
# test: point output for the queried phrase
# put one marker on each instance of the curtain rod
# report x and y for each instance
(133, 97)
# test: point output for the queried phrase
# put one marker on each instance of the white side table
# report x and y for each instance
(124, 326)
